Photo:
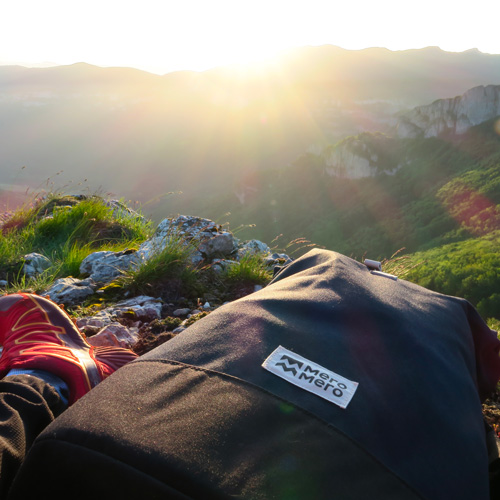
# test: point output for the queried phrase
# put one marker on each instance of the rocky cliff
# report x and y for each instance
(369, 154)
(455, 115)
(355, 157)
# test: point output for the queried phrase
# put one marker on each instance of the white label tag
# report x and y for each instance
(310, 376)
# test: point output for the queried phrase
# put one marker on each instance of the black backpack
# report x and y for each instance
(334, 382)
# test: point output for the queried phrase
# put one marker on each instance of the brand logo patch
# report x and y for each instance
(310, 376)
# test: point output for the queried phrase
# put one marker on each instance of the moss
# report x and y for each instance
(195, 317)
(164, 325)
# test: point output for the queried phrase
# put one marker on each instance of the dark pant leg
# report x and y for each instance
(27, 406)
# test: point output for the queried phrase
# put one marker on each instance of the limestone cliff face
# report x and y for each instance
(454, 115)
(363, 156)
(345, 161)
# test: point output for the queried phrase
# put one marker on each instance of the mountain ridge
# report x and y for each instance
(221, 123)
(455, 115)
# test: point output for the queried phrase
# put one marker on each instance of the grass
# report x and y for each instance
(250, 269)
(168, 273)
(38, 284)
(89, 222)
(400, 265)
(65, 229)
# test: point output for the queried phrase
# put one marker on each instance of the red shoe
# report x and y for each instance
(37, 334)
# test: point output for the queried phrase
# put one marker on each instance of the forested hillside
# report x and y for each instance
(443, 191)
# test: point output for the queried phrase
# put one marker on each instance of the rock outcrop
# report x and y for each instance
(208, 239)
(455, 115)
(365, 155)
(128, 321)
(345, 161)
(104, 266)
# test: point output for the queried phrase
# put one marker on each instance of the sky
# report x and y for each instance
(161, 36)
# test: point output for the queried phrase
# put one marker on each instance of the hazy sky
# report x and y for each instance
(163, 35)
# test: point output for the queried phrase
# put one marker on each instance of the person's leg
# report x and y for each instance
(27, 405)
(36, 334)
(46, 365)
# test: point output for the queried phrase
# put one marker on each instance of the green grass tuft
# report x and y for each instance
(65, 229)
(167, 273)
(250, 269)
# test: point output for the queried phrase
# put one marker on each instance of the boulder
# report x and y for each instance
(220, 265)
(182, 312)
(35, 264)
(105, 266)
(220, 244)
(70, 291)
(141, 308)
(93, 323)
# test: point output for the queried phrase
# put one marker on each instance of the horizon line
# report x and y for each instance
(143, 68)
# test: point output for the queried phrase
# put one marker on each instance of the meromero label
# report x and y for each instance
(310, 376)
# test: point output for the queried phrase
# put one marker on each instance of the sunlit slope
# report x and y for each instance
(469, 269)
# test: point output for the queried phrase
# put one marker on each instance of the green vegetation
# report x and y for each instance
(469, 269)
(413, 207)
(442, 204)
(65, 229)
(169, 273)
(251, 269)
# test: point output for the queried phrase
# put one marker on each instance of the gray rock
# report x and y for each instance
(115, 334)
(253, 247)
(182, 312)
(220, 265)
(35, 264)
(120, 209)
(69, 291)
(206, 238)
(100, 320)
(3, 283)
(278, 259)
(221, 244)
(105, 266)
(142, 308)
(196, 258)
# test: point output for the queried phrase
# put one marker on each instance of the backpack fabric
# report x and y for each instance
(201, 417)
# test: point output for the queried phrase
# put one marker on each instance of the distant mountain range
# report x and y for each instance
(141, 135)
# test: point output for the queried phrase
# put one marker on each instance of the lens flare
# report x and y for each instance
(496, 126)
